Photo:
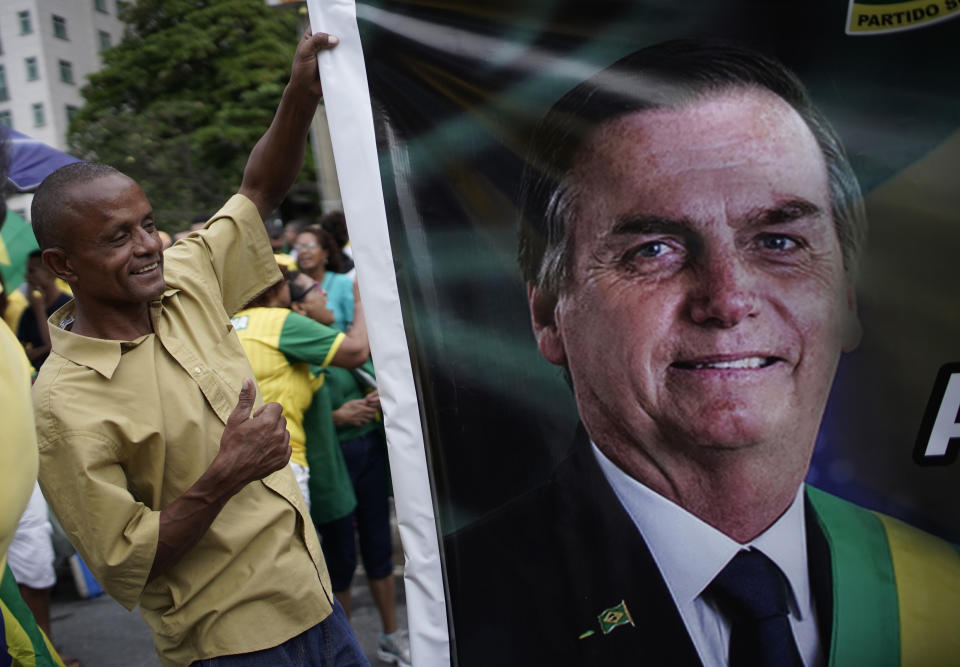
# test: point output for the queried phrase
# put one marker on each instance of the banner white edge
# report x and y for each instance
(350, 117)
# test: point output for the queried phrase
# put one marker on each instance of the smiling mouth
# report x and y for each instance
(147, 269)
(739, 364)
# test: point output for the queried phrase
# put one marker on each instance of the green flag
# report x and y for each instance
(614, 617)
(16, 242)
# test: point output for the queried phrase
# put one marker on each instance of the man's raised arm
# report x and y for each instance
(277, 158)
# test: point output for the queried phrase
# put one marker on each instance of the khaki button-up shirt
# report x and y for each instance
(125, 427)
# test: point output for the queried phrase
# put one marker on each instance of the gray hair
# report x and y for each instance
(670, 74)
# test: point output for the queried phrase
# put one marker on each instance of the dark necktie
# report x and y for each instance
(752, 593)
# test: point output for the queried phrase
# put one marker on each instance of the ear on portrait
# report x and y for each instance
(543, 307)
(58, 263)
(852, 330)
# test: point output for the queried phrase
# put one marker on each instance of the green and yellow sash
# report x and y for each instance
(896, 589)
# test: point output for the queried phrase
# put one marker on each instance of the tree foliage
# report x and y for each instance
(183, 98)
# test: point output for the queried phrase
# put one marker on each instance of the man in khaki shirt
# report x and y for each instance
(178, 498)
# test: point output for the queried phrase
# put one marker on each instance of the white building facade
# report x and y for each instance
(48, 48)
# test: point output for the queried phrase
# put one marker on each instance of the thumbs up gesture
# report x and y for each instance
(253, 446)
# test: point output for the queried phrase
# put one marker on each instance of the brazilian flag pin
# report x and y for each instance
(614, 617)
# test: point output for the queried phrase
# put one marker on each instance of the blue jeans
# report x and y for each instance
(330, 643)
(366, 459)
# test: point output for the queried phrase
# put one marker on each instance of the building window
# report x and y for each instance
(121, 5)
(71, 112)
(66, 71)
(59, 27)
(4, 93)
(39, 118)
(106, 41)
(33, 72)
(100, 6)
(6, 118)
(26, 25)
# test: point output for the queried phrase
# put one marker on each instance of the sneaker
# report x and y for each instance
(394, 648)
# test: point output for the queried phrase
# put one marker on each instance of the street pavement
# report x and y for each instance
(101, 633)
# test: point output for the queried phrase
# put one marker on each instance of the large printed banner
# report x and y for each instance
(676, 278)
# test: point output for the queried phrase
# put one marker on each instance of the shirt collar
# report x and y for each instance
(99, 354)
(670, 531)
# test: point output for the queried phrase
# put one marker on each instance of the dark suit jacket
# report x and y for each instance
(527, 581)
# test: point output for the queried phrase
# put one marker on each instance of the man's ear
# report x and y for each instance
(852, 331)
(58, 263)
(297, 307)
(543, 306)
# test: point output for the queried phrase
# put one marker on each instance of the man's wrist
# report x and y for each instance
(217, 485)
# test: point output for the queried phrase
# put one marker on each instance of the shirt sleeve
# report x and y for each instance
(85, 485)
(232, 253)
(303, 339)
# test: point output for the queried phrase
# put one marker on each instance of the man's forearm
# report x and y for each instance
(184, 521)
(277, 158)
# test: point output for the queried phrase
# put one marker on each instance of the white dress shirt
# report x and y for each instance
(690, 553)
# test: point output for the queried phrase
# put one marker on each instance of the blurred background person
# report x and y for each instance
(22, 641)
(350, 479)
(281, 345)
(319, 257)
(45, 297)
(12, 305)
(335, 224)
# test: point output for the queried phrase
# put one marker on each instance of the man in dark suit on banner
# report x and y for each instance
(691, 230)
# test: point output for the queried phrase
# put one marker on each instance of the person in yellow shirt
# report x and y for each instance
(176, 492)
(282, 346)
(21, 640)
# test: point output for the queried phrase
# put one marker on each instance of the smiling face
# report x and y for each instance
(708, 304)
(310, 253)
(112, 251)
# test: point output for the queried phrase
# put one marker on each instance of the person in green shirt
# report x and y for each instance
(287, 351)
(349, 475)
(330, 489)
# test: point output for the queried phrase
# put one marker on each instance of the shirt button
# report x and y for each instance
(197, 370)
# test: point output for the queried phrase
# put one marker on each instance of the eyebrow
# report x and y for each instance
(651, 224)
(792, 209)
(784, 212)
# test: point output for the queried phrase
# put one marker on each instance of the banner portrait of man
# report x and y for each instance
(676, 291)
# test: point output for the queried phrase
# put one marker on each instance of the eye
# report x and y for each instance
(650, 250)
(777, 242)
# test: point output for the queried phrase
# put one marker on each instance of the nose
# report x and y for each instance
(148, 242)
(724, 292)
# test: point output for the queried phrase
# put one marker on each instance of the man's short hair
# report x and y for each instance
(49, 203)
(668, 75)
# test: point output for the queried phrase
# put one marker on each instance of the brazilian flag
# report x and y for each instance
(16, 242)
(21, 641)
(614, 617)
